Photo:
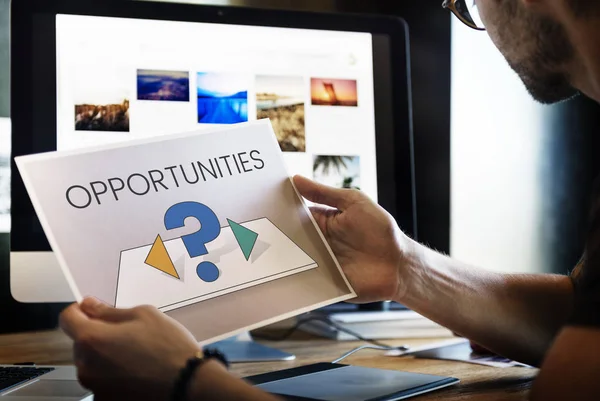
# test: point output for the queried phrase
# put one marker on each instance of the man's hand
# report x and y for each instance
(137, 354)
(364, 237)
(126, 353)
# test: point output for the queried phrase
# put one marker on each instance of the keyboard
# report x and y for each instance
(11, 376)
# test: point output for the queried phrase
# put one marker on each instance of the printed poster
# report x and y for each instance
(206, 226)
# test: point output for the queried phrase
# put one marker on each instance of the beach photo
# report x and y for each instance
(281, 99)
(333, 92)
(222, 98)
(337, 171)
(101, 100)
(163, 85)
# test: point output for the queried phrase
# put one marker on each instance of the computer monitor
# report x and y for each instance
(336, 88)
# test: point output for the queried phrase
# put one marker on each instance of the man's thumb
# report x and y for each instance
(97, 309)
(323, 194)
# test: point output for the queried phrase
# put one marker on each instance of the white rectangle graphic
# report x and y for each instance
(273, 256)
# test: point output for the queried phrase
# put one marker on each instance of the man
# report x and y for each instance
(546, 320)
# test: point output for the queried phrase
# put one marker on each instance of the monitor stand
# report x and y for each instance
(242, 348)
(378, 306)
(376, 321)
(383, 306)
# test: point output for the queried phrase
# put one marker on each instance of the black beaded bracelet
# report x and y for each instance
(181, 385)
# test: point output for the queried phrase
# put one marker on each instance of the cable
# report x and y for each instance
(333, 324)
(347, 354)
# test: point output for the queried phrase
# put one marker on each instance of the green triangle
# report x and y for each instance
(245, 238)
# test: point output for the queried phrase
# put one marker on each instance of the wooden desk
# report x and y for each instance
(477, 382)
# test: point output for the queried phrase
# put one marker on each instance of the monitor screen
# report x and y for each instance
(335, 87)
(122, 78)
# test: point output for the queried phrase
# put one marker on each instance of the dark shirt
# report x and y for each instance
(586, 275)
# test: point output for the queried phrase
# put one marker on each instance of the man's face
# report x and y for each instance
(535, 46)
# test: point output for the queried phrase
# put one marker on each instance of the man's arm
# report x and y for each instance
(571, 368)
(515, 315)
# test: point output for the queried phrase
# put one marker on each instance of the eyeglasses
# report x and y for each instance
(466, 11)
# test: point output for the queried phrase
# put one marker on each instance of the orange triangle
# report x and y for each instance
(159, 258)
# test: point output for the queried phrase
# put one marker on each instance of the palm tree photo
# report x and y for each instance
(328, 162)
(337, 171)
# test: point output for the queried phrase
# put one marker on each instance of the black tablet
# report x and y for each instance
(336, 382)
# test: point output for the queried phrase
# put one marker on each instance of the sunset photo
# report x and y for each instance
(333, 92)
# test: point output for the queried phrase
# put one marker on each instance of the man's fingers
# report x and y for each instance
(97, 309)
(74, 321)
(322, 194)
(322, 216)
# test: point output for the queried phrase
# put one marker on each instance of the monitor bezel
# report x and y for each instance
(395, 155)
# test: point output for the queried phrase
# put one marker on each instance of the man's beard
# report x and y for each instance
(544, 86)
(542, 70)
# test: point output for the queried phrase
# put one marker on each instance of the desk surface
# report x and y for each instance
(477, 382)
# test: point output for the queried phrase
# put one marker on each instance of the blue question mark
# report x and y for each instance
(210, 228)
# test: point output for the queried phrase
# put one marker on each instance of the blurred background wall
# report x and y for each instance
(502, 182)
(521, 172)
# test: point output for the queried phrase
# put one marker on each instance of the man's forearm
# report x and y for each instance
(515, 315)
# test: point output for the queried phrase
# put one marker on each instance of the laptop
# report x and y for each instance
(41, 383)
